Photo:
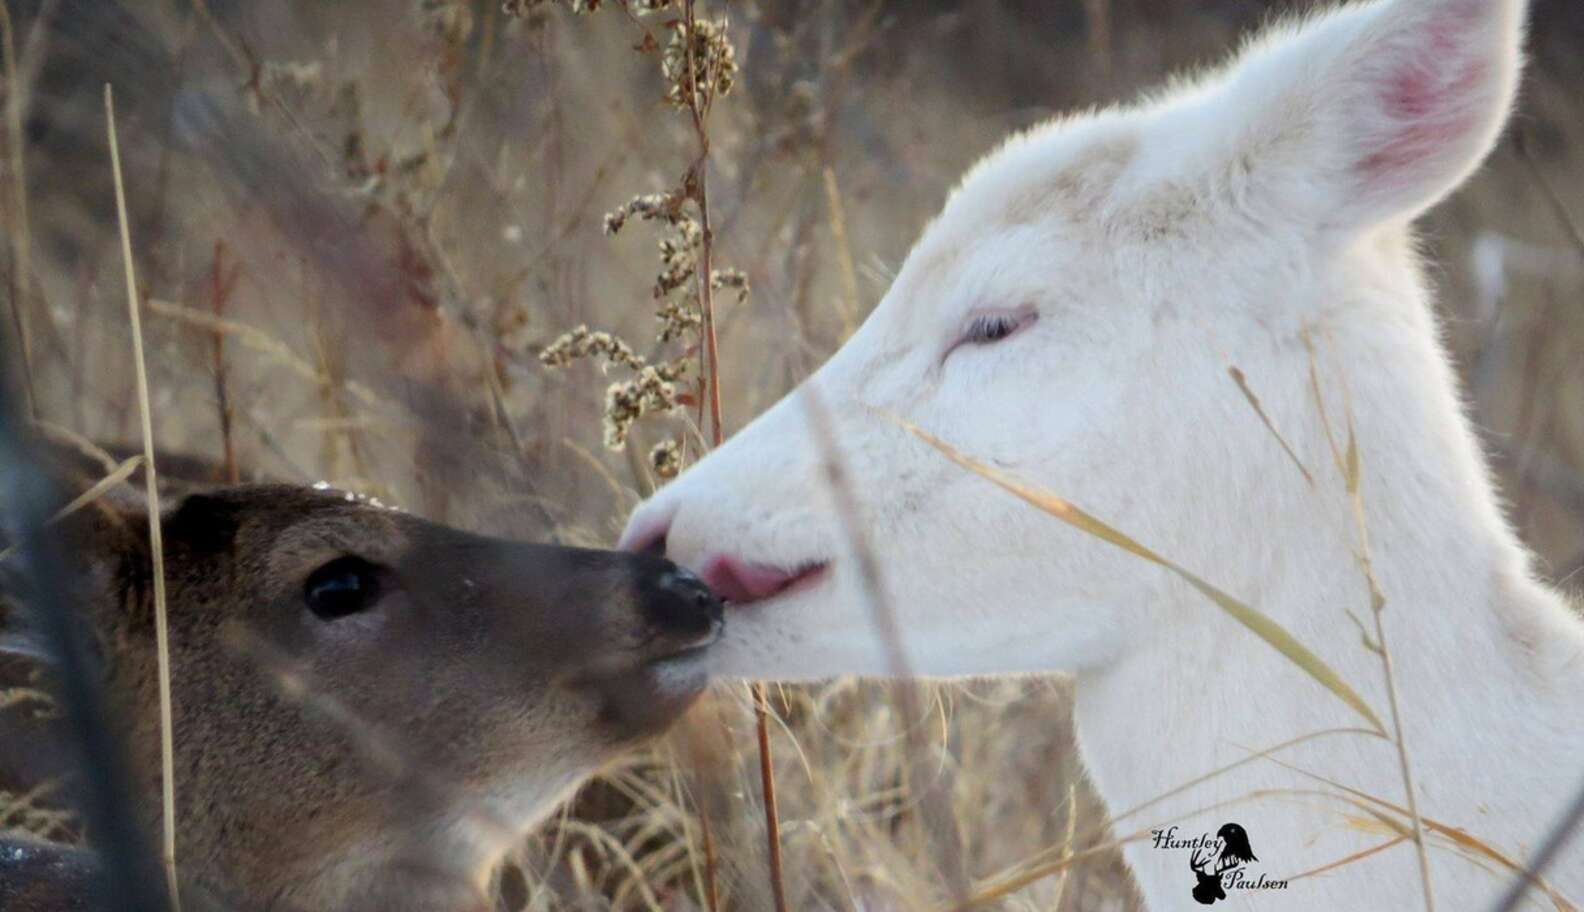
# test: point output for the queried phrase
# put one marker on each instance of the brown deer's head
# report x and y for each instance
(369, 706)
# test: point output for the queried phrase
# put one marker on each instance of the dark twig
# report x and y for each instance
(220, 287)
(1561, 834)
(934, 807)
(699, 99)
(127, 872)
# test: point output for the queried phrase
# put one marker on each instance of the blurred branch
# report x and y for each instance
(1564, 217)
(934, 807)
(1099, 14)
(29, 495)
(1561, 834)
(21, 272)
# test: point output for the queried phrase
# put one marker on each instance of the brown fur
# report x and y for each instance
(381, 760)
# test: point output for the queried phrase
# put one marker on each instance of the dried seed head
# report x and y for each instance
(579, 342)
(679, 315)
(678, 257)
(666, 458)
(698, 64)
(663, 207)
(714, 69)
(291, 79)
(652, 390)
(734, 279)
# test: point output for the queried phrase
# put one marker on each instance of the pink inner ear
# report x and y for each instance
(1431, 96)
(1429, 117)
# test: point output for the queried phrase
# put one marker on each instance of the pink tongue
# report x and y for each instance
(740, 583)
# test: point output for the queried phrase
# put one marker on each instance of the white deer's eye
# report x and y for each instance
(990, 328)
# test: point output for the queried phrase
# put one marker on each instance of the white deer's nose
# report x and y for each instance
(647, 528)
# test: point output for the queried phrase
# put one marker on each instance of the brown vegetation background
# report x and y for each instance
(358, 223)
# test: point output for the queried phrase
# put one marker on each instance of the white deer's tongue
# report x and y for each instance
(737, 582)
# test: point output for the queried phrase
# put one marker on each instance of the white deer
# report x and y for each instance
(1071, 318)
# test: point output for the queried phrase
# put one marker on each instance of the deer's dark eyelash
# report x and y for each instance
(995, 326)
(988, 328)
(991, 327)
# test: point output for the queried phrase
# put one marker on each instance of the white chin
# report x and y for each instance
(786, 642)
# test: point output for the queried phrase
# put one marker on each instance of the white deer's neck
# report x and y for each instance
(1489, 665)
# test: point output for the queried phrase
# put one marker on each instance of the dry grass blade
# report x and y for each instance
(1354, 799)
(1356, 856)
(1032, 869)
(263, 343)
(1021, 880)
(1067, 842)
(1253, 401)
(1377, 609)
(70, 439)
(1259, 624)
(1457, 836)
(1006, 888)
(849, 272)
(121, 473)
(1349, 464)
(156, 542)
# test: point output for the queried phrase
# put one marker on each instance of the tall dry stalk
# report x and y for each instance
(698, 66)
(1348, 465)
(1378, 610)
(21, 234)
(934, 811)
(844, 258)
(156, 541)
(698, 183)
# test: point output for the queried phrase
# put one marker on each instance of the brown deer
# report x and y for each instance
(368, 707)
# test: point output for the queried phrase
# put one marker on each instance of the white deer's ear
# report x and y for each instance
(1378, 111)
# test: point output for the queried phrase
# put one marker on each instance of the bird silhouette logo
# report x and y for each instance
(1211, 868)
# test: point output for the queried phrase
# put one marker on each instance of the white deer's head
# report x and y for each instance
(1071, 317)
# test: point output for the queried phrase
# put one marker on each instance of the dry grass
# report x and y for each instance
(411, 204)
(152, 502)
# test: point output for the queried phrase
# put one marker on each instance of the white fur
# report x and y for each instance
(1220, 225)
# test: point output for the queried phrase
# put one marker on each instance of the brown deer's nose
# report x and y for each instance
(681, 605)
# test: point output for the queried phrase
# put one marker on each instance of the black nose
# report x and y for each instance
(680, 604)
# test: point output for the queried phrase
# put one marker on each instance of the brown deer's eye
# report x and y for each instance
(346, 585)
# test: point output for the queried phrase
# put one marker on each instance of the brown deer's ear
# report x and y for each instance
(204, 523)
(102, 544)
